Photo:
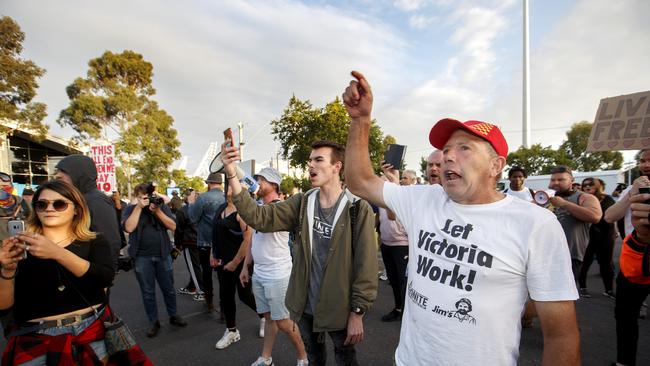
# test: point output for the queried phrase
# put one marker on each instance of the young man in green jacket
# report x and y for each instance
(334, 276)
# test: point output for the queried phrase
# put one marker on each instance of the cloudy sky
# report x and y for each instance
(218, 63)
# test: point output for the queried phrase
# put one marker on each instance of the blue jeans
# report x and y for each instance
(98, 346)
(148, 270)
(315, 344)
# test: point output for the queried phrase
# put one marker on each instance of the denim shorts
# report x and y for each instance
(75, 329)
(270, 295)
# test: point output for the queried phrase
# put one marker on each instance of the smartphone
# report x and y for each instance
(16, 227)
(645, 190)
(227, 136)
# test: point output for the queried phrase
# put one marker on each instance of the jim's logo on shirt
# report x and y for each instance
(322, 228)
(461, 314)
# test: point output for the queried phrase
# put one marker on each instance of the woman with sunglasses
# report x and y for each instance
(601, 241)
(53, 277)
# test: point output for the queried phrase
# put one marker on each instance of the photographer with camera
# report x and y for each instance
(147, 222)
(633, 280)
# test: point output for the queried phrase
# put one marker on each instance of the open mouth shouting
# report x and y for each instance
(450, 175)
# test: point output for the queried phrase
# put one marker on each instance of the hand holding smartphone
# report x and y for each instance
(227, 136)
(16, 227)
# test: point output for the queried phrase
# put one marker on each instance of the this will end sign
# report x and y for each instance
(104, 158)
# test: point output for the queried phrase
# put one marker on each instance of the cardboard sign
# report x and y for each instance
(622, 123)
(104, 158)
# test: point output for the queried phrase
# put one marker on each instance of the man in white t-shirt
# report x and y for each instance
(517, 176)
(469, 245)
(270, 254)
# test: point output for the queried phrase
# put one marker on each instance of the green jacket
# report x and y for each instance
(350, 275)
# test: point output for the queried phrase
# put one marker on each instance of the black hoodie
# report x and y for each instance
(83, 173)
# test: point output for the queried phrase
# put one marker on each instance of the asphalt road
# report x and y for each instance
(194, 344)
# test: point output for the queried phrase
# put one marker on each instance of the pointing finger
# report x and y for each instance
(362, 81)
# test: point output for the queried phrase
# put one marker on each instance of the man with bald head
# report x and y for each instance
(469, 241)
(433, 167)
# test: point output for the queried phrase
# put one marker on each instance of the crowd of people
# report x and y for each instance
(466, 263)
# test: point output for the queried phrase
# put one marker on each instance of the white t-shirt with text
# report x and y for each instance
(471, 269)
(271, 255)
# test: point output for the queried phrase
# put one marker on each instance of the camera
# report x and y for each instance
(153, 199)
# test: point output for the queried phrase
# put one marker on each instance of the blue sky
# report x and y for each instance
(217, 63)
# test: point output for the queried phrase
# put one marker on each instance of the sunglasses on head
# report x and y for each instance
(58, 205)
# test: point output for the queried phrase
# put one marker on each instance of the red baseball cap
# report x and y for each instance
(443, 129)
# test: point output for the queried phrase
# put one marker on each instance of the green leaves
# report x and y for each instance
(18, 82)
(572, 152)
(301, 124)
(114, 98)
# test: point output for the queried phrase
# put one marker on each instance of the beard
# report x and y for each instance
(564, 193)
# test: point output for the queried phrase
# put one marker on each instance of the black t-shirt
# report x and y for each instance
(227, 237)
(44, 287)
(151, 232)
(603, 229)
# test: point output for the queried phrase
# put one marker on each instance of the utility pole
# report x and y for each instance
(240, 126)
(525, 138)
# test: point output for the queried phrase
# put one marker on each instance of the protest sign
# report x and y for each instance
(104, 158)
(622, 123)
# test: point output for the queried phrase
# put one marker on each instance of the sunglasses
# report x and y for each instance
(5, 177)
(58, 205)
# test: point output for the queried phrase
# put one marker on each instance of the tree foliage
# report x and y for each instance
(575, 147)
(536, 160)
(182, 181)
(115, 99)
(572, 152)
(423, 167)
(18, 82)
(302, 123)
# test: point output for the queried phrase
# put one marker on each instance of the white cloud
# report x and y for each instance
(215, 65)
(599, 49)
(408, 5)
(461, 90)
(421, 21)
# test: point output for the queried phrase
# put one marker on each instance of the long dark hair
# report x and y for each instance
(81, 219)
(598, 186)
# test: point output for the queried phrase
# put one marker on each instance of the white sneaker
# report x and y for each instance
(304, 362)
(261, 361)
(262, 324)
(228, 339)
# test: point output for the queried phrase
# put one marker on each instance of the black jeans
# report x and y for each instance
(603, 248)
(228, 284)
(575, 268)
(315, 347)
(193, 259)
(395, 260)
(206, 271)
(629, 297)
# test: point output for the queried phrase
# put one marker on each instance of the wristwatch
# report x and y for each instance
(357, 310)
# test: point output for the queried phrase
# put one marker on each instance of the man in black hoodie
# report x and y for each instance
(80, 171)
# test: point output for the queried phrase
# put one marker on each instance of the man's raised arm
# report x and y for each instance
(359, 176)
